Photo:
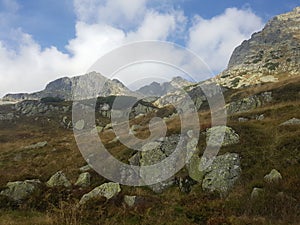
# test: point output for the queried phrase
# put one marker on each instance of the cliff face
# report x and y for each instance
(270, 55)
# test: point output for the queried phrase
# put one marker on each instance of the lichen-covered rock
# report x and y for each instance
(214, 134)
(84, 180)
(222, 174)
(194, 168)
(59, 179)
(130, 200)
(107, 190)
(273, 177)
(20, 190)
(249, 103)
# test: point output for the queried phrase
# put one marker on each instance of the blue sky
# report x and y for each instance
(44, 40)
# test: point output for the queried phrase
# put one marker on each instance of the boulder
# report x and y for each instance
(214, 134)
(84, 180)
(20, 190)
(222, 174)
(256, 193)
(107, 190)
(273, 177)
(129, 200)
(58, 179)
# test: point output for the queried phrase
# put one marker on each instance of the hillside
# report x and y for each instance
(46, 178)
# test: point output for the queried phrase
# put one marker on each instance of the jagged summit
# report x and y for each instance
(268, 56)
(64, 87)
(157, 89)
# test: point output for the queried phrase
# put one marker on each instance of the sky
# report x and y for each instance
(43, 40)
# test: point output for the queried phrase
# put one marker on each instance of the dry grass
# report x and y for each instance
(263, 146)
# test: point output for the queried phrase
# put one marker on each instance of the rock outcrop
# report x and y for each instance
(270, 55)
(59, 179)
(222, 174)
(107, 190)
(273, 177)
(214, 134)
(21, 190)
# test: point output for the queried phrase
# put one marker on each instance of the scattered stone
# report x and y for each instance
(129, 200)
(85, 168)
(58, 179)
(79, 125)
(273, 177)
(84, 180)
(107, 190)
(256, 193)
(293, 121)
(20, 190)
(214, 134)
(260, 117)
(222, 174)
(37, 145)
(242, 119)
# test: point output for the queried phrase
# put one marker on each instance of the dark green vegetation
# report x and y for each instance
(264, 145)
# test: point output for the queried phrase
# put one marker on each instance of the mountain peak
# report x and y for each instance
(268, 56)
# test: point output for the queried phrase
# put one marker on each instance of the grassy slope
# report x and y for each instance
(264, 145)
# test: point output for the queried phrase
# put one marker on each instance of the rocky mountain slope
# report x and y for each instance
(157, 89)
(268, 56)
(63, 88)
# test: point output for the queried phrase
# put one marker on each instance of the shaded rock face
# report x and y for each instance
(20, 190)
(269, 55)
(222, 174)
(59, 179)
(249, 103)
(107, 190)
(213, 136)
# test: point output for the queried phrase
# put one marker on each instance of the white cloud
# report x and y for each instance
(26, 67)
(215, 39)
(117, 12)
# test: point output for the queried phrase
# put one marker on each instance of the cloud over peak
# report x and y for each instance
(104, 25)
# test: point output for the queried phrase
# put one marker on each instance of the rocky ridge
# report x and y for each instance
(268, 56)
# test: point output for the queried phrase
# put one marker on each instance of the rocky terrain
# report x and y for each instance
(63, 88)
(270, 55)
(254, 179)
(157, 89)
